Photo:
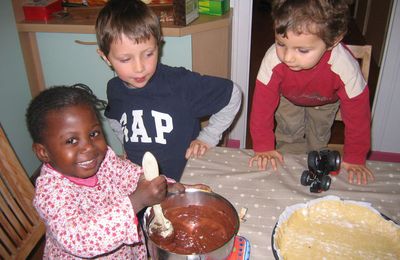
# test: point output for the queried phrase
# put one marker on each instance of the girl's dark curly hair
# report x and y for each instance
(328, 19)
(57, 98)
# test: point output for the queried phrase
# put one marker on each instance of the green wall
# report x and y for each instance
(14, 90)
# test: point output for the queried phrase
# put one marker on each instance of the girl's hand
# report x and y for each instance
(180, 187)
(264, 158)
(197, 148)
(176, 187)
(359, 172)
(149, 193)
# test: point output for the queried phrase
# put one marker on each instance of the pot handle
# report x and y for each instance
(199, 186)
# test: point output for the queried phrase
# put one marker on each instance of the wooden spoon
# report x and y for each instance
(159, 224)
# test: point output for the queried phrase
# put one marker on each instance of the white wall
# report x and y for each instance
(386, 119)
(241, 41)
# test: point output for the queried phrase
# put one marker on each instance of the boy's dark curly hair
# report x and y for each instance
(57, 98)
(328, 19)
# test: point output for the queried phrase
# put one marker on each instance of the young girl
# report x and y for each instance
(86, 195)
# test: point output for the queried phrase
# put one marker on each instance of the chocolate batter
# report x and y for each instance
(197, 230)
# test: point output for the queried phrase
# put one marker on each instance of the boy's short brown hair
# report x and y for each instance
(131, 18)
(328, 19)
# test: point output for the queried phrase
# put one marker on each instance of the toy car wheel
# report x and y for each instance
(313, 160)
(334, 160)
(315, 186)
(325, 182)
(305, 178)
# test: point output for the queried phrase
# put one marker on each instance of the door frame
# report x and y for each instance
(240, 65)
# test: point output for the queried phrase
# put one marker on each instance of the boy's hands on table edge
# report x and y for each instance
(262, 159)
(358, 172)
(196, 149)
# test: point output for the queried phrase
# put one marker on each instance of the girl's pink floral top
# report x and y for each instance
(92, 219)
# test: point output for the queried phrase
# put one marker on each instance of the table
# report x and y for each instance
(266, 194)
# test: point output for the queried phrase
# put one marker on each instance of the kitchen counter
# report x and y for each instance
(266, 194)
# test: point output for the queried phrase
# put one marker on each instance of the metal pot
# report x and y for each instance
(193, 197)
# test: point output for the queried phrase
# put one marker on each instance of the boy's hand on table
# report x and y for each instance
(358, 172)
(264, 158)
(196, 149)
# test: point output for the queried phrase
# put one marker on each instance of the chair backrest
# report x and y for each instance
(363, 54)
(21, 227)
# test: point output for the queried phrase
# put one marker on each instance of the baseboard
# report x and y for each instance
(232, 143)
(384, 156)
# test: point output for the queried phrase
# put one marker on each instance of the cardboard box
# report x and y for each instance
(214, 7)
(164, 10)
(185, 11)
(41, 10)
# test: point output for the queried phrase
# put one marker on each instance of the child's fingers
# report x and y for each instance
(274, 164)
(251, 161)
(265, 162)
(189, 153)
(260, 163)
(280, 157)
(196, 148)
(358, 175)
(369, 174)
(350, 177)
(203, 150)
(176, 187)
(364, 178)
(354, 177)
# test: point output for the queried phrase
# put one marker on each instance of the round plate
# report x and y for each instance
(272, 243)
(273, 234)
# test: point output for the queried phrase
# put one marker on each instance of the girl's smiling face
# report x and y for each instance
(300, 51)
(134, 63)
(74, 143)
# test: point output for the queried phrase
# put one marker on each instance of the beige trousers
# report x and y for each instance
(302, 129)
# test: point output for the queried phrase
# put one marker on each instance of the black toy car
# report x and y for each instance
(320, 165)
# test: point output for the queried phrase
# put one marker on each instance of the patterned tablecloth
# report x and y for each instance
(266, 194)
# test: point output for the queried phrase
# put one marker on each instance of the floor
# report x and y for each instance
(263, 38)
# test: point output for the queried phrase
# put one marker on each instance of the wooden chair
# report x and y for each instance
(21, 227)
(363, 54)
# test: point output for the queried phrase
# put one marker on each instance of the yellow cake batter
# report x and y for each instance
(335, 229)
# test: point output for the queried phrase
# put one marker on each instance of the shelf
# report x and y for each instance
(83, 22)
(210, 40)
